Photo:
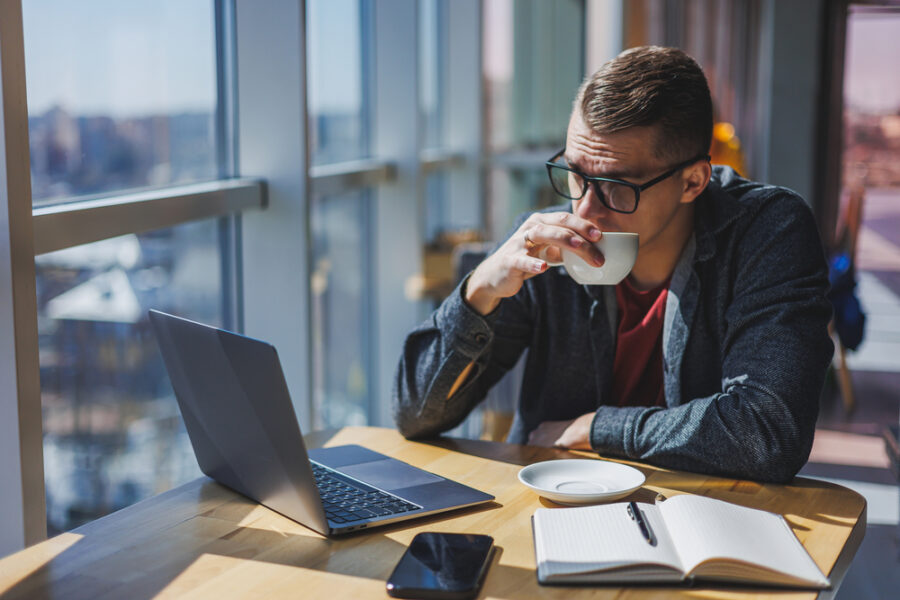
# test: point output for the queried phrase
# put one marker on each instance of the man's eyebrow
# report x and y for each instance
(625, 175)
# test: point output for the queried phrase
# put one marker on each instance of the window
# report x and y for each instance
(340, 219)
(336, 89)
(341, 291)
(407, 108)
(129, 197)
(113, 434)
(432, 91)
(128, 112)
(432, 72)
(120, 95)
(533, 65)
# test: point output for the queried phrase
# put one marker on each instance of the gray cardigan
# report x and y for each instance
(745, 347)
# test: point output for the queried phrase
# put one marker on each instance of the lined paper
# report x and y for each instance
(704, 528)
(595, 538)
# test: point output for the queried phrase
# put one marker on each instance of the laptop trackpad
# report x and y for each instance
(390, 474)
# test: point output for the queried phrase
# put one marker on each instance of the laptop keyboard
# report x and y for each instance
(347, 500)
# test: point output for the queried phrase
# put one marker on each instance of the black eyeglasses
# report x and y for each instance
(615, 194)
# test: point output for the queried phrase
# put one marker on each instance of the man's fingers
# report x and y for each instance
(542, 235)
(527, 264)
(566, 220)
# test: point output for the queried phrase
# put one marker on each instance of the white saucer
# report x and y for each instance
(581, 481)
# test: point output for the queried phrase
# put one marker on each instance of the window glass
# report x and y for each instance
(113, 433)
(437, 217)
(872, 105)
(533, 65)
(335, 37)
(498, 71)
(120, 94)
(341, 289)
(431, 71)
(517, 190)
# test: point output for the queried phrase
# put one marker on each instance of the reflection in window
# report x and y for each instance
(336, 92)
(113, 434)
(341, 288)
(120, 94)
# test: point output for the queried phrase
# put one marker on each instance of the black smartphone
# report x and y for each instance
(449, 566)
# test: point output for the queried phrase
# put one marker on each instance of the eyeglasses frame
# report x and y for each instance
(636, 187)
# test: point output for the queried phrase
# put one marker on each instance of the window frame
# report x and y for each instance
(22, 499)
(265, 136)
(27, 231)
(395, 172)
(61, 226)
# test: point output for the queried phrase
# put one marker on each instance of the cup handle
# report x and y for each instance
(543, 256)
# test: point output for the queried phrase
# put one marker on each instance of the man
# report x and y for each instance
(709, 357)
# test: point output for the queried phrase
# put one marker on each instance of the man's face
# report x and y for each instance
(629, 155)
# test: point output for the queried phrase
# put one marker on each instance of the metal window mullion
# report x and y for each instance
(226, 115)
(22, 502)
(276, 246)
(397, 124)
(66, 225)
(229, 226)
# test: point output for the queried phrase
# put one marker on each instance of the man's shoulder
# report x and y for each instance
(737, 212)
(732, 198)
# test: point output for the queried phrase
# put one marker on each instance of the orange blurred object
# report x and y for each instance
(726, 147)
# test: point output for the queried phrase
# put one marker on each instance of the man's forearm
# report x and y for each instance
(439, 360)
(728, 434)
(479, 297)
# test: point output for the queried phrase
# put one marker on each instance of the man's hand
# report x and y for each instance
(574, 434)
(541, 237)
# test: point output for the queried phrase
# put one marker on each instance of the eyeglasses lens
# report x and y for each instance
(566, 183)
(618, 197)
(571, 185)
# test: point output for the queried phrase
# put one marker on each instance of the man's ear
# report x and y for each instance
(694, 180)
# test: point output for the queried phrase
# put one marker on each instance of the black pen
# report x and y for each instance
(635, 513)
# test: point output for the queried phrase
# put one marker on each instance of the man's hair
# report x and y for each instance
(651, 86)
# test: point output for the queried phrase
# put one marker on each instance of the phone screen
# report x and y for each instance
(441, 565)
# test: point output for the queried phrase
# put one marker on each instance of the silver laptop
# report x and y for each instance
(244, 431)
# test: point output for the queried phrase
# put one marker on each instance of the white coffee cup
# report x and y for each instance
(619, 248)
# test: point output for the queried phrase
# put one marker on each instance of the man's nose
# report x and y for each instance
(590, 207)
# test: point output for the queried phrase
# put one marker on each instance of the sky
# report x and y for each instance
(142, 57)
(872, 62)
(119, 57)
(335, 61)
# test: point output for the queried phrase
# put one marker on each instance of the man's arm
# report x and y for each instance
(775, 352)
(450, 361)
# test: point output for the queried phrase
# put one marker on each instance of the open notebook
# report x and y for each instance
(693, 537)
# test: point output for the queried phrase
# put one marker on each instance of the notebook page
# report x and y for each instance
(577, 540)
(702, 528)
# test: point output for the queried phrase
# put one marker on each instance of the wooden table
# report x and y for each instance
(202, 540)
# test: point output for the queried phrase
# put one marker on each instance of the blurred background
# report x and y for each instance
(397, 141)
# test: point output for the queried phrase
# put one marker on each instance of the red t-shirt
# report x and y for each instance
(637, 369)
